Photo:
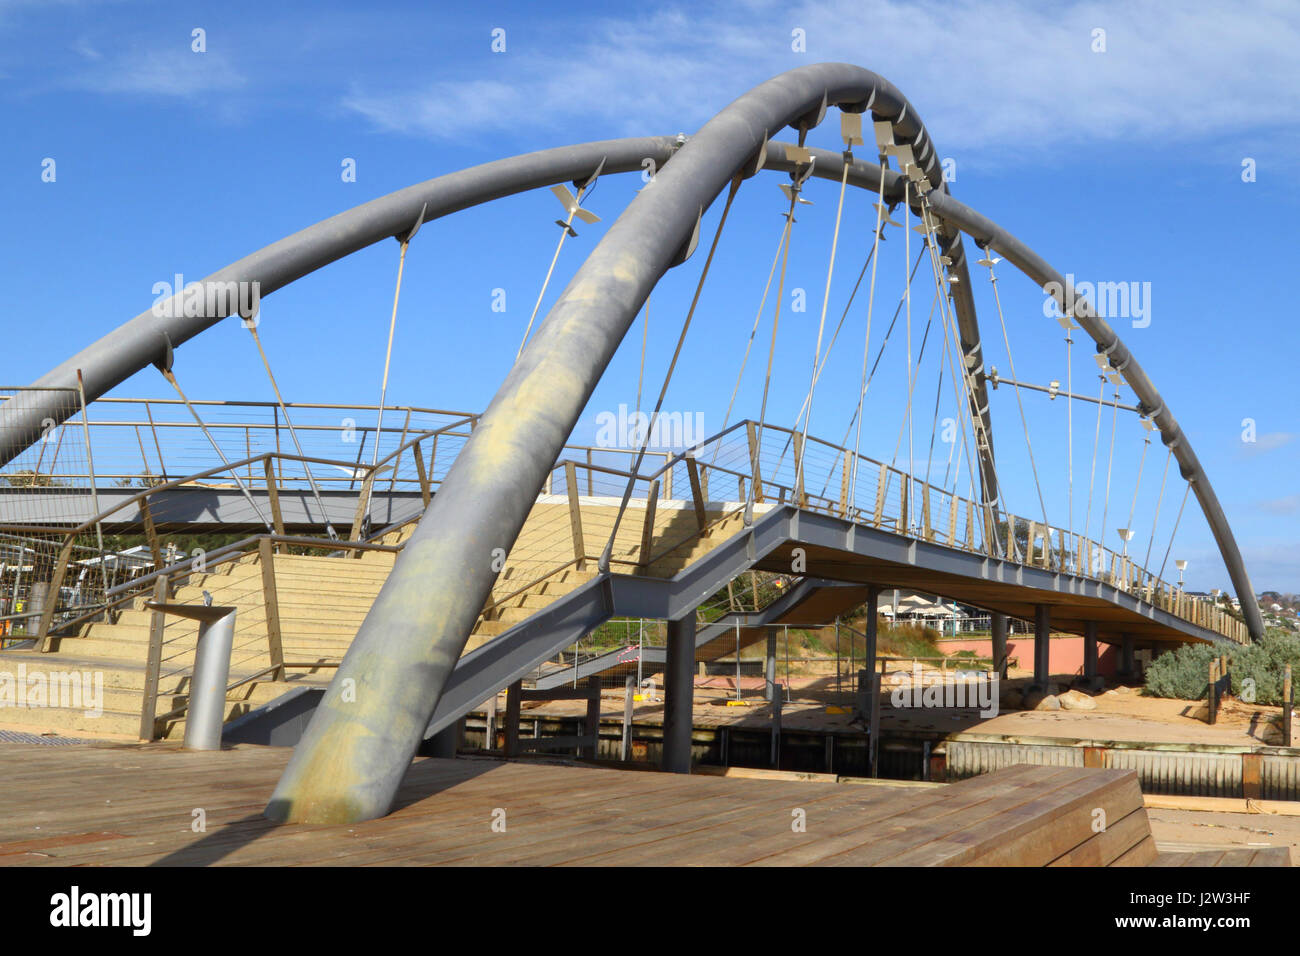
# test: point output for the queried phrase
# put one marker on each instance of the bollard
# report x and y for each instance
(206, 713)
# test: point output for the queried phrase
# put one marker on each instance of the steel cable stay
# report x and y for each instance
(1177, 521)
(911, 381)
(1092, 475)
(1146, 562)
(905, 425)
(293, 433)
(1132, 510)
(171, 377)
(868, 378)
(821, 325)
(827, 354)
(1020, 404)
(603, 564)
(866, 341)
(1105, 513)
(952, 338)
(645, 333)
(405, 242)
(573, 208)
(756, 453)
(758, 318)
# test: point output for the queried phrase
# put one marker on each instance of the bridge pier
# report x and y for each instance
(1090, 679)
(998, 626)
(873, 603)
(1042, 646)
(1127, 664)
(769, 668)
(679, 695)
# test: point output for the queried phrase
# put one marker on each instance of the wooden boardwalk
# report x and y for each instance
(139, 805)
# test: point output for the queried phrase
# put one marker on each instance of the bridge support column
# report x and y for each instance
(1042, 646)
(679, 695)
(1090, 679)
(1127, 665)
(445, 742)
(769, 667)
(998, 627)
(873, 604)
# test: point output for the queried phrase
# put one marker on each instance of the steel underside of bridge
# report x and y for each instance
(405, 662)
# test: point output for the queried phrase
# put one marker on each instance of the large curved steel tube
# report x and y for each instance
(363, 735)
(143, 340)
(418, 630)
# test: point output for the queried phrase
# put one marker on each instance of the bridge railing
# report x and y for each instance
(137, 442)
(673, 507)
(78, 572)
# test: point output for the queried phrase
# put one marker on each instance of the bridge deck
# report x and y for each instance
(136, 805)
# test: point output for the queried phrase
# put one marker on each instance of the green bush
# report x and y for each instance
(1184, 673)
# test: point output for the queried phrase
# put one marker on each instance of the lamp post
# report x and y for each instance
(1182, 566)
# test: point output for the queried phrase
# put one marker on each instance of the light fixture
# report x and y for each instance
(1182, 566)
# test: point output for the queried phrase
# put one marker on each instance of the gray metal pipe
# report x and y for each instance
(144, 340)
(679, 695)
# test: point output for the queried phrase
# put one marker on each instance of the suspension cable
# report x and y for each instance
(383, 388)
(967, 387)
(1146, 443)
(1024, 422)
(1159, 500)
(1092, 474)
(1174, 532)
(645, 333)
(672, 365)
(758, 317)
(167, 374)
(293, 433)
(752, 492)
(821, 325)
(1109, 465)
(866, 341)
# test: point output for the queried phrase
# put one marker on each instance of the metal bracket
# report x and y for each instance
(688, 247)
(168, 356)
(419, 221)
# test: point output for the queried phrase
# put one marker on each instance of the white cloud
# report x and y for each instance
(1009, 73)
(176, 72)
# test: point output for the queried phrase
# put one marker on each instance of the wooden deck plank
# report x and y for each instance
(133, 804)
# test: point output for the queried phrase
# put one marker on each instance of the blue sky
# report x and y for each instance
(1118, 165)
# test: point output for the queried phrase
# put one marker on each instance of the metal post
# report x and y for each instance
(1042, 646)
(679, 695)
(207, 705)
(873, 602)
(1090, 655)
(998, 630)
(769, 691)
(777, 704)
(1288, 705)
(1127, 668)
(629, 689)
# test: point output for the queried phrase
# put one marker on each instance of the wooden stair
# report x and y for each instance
(322, 601)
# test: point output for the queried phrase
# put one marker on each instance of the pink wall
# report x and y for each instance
(1066, 653)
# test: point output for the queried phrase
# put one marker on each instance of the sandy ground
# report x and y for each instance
(1197, 830)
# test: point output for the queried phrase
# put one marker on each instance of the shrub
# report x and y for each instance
(1184, 673)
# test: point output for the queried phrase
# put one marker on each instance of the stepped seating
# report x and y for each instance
(322, 601)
